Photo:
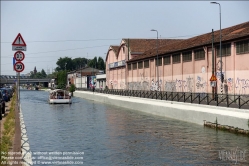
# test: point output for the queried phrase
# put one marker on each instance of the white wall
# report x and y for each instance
(81, 82)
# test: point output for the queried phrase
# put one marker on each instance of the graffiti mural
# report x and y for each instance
(201, 84)
(189, 84)
(242, 86)
(122, 85)
(113, 84)
(170, 86)
(218, 75)
(230, 84)
(143, 84)
(178, 85)
(155, 86)
(219, 64)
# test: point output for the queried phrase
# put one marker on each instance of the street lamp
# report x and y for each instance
(221, 75)
(157, 55)
(66, 72)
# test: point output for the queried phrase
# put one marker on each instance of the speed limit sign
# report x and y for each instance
(19, 67)
(19, 56)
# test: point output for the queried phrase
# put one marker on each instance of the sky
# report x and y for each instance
(54, 29)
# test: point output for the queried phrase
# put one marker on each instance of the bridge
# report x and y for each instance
(12, 79)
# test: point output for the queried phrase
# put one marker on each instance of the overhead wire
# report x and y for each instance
(58, 51)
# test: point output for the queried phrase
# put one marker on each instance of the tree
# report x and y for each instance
(79, 63)
(93, 63)
(35, 74)
(35, 71)
(101, 64)
(62, 79)
(43, 73)
(65, 64)
(38, 75)
(52, 75)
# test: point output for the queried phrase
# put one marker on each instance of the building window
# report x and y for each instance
(187, 56)
(166, 60)
(140, 65)
(134, 66)
(123, 50)
(225, 50)
(242, 47)
(129, 66)
(199, 54)
(159, 62)
(146, 64)
(176, 58)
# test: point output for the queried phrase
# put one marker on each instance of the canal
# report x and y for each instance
(92, 133)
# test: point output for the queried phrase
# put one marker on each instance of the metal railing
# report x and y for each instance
(228, 100)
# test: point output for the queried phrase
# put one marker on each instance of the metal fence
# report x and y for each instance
(223, 100)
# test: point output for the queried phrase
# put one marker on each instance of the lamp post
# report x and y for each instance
(221, 75)
(66, 72)
(157, 55)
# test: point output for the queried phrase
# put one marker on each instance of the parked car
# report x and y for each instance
(2, 105)
(10, 92)
(5, 94)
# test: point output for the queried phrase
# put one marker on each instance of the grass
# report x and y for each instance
(8, 131)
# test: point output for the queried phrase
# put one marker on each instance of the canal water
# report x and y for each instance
(92, 133)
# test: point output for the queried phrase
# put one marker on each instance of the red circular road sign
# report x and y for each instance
(19, 56)
(19, 67)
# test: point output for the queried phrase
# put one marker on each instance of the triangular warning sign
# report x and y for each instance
(19, 41)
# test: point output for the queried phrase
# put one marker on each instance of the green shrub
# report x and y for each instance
(72, 88)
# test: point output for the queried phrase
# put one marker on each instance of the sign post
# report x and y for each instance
(213, 83)
(18, 45)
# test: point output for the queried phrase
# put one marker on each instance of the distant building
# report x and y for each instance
(101, 81)
(83, 78)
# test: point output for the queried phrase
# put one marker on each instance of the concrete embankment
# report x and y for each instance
(189, 112)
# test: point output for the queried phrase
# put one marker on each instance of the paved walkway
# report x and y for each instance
(195, 113)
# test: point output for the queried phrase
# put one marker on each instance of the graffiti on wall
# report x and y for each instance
(189, 84)
(138, 85)
(170, 86)
(155, 86)
(122, 85)
(230, 84)
(179, 85)
(201, 84)
(218, 75)
(113, 84)
(242, 86)
(142, 84)
(219, 65)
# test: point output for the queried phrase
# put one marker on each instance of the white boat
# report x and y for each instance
(59, 96)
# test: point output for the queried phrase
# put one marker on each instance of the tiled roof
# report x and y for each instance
(115, 50)
(142, 45)
(228, 34)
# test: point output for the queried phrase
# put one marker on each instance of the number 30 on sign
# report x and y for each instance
(19, 67)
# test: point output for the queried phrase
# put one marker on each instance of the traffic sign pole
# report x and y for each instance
(18, 45)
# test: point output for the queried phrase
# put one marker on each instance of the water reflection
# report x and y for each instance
(116, 136)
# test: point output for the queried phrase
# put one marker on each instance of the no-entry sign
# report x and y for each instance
(19, 66)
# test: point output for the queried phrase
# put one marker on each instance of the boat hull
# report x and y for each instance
(60, 101)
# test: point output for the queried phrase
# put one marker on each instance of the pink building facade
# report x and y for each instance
(184, 68)
(117, 56)
(186, 65)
